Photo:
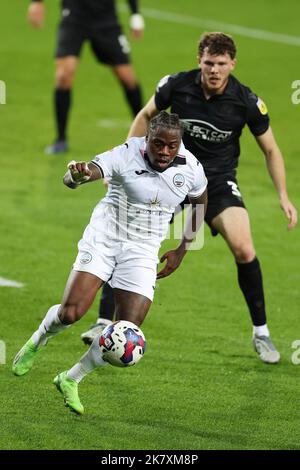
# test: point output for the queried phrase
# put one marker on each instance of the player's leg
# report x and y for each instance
(234, 225)
(106, 314)
(73, 307)
(129, 306)
(64, 76)
(132, 90)
(133, 281)
(113, 50)
(79, 294)
(69, 43)
(99, 260)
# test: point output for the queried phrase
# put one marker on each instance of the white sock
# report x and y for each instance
(50, 326)
(262, 330)
(89, 361)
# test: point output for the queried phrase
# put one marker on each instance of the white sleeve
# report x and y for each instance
(200, 182)
(113, 162)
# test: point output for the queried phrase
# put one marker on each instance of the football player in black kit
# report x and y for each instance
(215, 107)
(97, 22)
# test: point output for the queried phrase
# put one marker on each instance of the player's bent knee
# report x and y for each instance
(244, 254)
(71, 313)
(134, 315)
(64, 79)
(64, 84)
(129, 84)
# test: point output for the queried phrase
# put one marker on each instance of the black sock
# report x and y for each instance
(62, 103)
(251, 284)
(107, 303)
(134, 98)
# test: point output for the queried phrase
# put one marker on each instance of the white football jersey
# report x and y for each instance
(140, 200)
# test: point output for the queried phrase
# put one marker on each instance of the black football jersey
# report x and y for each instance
(212, 127)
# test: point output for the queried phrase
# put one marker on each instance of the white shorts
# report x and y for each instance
(125, 265)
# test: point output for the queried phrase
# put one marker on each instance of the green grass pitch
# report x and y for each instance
(200, 385)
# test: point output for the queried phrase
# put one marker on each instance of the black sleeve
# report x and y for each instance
(163, 93)
(258, 119)
(133, 5)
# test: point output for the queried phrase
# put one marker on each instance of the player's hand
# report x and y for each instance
(290, 212)
(137, 26)
(36, 14)
(79, 171)
(174, 258)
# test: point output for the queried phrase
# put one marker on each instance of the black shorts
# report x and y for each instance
(222, 192)
(110, 46)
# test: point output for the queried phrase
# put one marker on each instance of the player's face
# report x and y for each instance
(162, 147)
(215, 70)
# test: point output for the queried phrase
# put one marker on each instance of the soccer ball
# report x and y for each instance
(122, 344)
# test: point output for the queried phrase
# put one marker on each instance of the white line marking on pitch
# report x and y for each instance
(114, 123)
(220, 26)
(9, 283)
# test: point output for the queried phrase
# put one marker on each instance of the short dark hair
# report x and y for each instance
(217, 44)
(167, 121)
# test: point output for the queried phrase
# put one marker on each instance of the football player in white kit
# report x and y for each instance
(148, 177)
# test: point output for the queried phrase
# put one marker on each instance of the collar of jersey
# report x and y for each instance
(178, 160)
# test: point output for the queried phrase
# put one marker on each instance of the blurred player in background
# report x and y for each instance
(214, 107)
(148, 178)
(94, 21)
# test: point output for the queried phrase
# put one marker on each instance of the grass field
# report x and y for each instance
(200, 385)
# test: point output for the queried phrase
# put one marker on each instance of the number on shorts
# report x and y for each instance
(124, 44)
(234, 188)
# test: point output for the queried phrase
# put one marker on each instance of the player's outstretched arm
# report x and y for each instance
(36, 14)
(80, 173)
(275, 165)
(194, 222)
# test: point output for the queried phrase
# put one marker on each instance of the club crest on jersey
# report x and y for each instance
(86, 258)
(261, 106)
(178, 180)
